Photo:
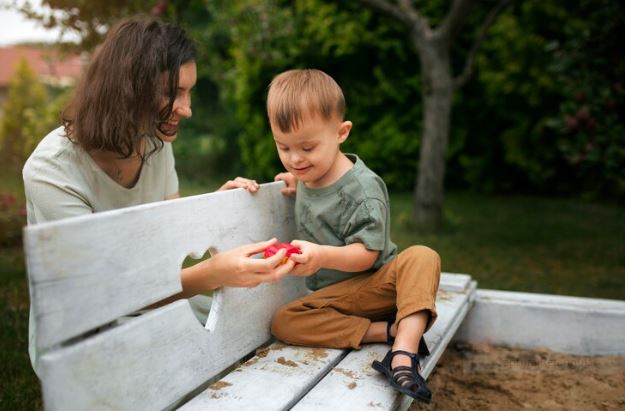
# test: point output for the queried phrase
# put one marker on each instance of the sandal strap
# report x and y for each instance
(414, 359)
(407, 377)
(412, 355)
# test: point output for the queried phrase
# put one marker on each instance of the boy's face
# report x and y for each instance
(311, 151)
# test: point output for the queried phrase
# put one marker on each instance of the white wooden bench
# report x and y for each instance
(86, 273)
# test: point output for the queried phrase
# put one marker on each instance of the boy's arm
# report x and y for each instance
(353, 257)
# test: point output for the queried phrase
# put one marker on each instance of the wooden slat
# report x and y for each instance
(154, 360)
(273, 380)
(354, 385)
(87, 271)
(455, 282)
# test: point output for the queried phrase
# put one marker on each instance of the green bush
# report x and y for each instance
(30, 113)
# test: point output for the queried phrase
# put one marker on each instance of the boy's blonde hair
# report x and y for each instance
(295, 93)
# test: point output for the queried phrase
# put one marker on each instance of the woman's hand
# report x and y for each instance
(290, 181)
(240, 182)
(309, 261)
(236, 268)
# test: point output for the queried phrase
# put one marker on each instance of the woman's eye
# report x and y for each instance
(307, 149)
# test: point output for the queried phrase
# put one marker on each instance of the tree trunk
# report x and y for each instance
(437, 100)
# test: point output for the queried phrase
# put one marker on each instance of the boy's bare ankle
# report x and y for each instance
(376, 333)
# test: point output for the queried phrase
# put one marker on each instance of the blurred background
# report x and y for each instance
(530, 171)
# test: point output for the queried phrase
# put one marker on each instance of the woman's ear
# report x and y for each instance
(344, 129)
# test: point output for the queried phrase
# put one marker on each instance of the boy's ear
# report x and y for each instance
(344, 129)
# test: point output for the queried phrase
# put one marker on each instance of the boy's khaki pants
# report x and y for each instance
(338, 316)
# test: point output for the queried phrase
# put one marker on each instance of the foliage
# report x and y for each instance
(29, 113)
(543, 112)
(260, 39)
(88, 19)
(590, 122)
(26, 100)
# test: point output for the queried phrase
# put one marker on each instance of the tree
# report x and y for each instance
(88, 19)
(433, 46)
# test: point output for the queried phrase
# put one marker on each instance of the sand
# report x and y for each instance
(473, 377)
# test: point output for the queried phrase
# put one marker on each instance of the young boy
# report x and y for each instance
(364, 291)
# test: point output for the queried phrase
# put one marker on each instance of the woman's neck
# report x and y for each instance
(124, 171)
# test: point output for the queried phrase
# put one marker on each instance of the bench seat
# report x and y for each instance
(301, 378)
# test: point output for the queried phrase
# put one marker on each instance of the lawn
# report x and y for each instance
(524, 243)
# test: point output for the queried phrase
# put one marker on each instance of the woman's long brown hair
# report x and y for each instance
(118, 102)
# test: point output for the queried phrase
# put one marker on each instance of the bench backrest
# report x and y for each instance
(87, 272)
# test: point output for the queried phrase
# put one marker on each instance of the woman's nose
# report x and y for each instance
(182, 106)
(183, 110)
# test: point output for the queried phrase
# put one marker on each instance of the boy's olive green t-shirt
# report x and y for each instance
(355, 209)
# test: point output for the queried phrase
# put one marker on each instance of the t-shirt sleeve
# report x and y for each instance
(172, 177)
(367, 225)
(48, 198)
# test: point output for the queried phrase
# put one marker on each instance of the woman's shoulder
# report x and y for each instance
(54, 152)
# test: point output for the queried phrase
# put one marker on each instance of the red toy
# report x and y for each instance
(273, 249)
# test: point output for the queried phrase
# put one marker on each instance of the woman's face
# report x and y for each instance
(168, 130)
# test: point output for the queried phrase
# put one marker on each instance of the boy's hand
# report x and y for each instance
(291, 183)
(309, 261)
(240, 182)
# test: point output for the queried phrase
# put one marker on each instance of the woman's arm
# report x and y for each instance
(235, 268)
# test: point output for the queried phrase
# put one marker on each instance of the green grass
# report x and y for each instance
(20, 388)
(555, 246)
(559, 246)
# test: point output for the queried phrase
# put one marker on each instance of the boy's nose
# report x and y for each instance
(296, 158)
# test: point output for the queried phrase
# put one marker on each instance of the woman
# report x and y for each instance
(114, 148)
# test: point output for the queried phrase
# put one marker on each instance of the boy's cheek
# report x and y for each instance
(283, 160)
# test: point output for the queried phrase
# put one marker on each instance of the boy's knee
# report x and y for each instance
(279, 322)
(423, 253)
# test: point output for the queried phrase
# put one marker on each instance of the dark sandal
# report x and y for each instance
(406, 380)
(423, 350)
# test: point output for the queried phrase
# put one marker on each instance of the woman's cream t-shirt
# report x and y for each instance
(61, 180)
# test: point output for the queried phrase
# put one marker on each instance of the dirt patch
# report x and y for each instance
(219, 385)
(317, 354)
(345, 372)
(472, 377)
(284, 361)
